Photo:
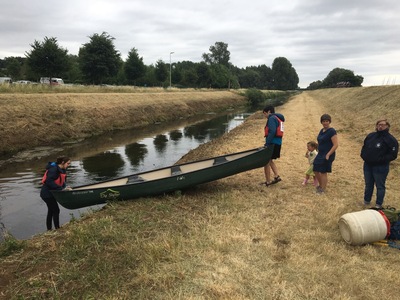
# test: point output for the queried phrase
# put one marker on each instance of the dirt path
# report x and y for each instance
(303, 223)
(302, 114)
(346, 182)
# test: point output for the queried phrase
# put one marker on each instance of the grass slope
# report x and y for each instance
(30, 120)
(233, 238)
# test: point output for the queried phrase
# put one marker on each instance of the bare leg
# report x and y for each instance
(322, 179)
(267, 172)
(274, 168)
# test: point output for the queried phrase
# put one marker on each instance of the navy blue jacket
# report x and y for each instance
(379, 148)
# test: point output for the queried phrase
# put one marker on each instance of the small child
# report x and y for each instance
(311, 153)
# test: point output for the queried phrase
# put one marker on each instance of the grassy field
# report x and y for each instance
(232, 238)
(67, 88)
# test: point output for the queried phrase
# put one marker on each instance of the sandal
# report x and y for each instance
(276, 180)
(266, 183)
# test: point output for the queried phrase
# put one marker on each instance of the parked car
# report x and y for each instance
(54, 80)
(5, 80)
(23, 82)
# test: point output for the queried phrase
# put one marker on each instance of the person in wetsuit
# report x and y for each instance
(55, 178)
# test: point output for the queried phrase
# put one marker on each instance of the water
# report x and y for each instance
(23, 212)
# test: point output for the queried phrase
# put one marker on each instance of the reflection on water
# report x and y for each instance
(160, 143)
(112, 155)
(106, 164)
(175, 135)
(136, 152)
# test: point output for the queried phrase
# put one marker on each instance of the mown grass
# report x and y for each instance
(229, 239)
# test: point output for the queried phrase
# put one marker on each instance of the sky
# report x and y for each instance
(316, 36)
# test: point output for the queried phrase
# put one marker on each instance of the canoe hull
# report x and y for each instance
(223, 166)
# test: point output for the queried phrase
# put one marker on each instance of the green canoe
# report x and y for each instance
(163, 180)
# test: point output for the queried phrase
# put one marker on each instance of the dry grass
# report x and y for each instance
(30, 120)
(76, 88)
(233, 238)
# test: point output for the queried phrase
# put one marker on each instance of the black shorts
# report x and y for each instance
(277, 152)
(324, 167)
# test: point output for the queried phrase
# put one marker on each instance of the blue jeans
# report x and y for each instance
(375, 175)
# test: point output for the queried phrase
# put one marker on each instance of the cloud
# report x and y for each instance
(314, 35)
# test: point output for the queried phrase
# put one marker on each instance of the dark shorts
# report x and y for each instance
(323, 167)
(277, 152)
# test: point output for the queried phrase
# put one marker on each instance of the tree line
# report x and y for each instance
(338, 78)
(99, 62)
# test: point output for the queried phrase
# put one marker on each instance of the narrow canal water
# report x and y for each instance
(23, 213)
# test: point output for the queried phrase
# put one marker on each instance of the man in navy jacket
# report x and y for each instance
(379, 149)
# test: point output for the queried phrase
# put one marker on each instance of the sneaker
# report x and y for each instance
(319, 190)
(378, 206)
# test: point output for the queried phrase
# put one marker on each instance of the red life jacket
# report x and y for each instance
(59, 181)
(279, 129)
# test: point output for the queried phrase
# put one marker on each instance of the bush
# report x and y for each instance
(255, 97)
(10, 244)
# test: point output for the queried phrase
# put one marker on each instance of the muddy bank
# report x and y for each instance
(42, 120)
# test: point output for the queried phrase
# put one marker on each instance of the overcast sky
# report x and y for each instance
(316, 36)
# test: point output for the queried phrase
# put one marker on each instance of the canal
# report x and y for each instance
(23, 212)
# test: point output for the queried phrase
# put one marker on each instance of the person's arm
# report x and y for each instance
(335, 143)
(393, 149)
(272, 126)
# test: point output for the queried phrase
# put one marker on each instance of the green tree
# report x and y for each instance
(203, 75)
(339, 75)
(14, 67)
(219, 54)
(250, 78)
(258, 77)
(74, 74)
(134, 67)
(161, 71)
(149, 78)
(99, 60)
(184, 74)
(266, 77)
(189, 78)
(176, 75)
(285, 76)
(2, 63)
(315, 85)
(220, 76)
(47, 59)
(120, 79)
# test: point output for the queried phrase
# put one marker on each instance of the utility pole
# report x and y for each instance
(170, 69)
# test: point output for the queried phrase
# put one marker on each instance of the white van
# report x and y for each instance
(54, 81)
(5, 80)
